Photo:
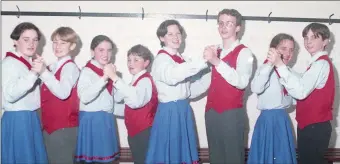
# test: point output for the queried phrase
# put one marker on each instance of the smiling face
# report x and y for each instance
(103, 53)
(173, 38)
(27, 43)
(61, 48)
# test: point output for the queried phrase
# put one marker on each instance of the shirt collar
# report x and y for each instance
(136, 76)
(62, 61)
(317, 55)
(95, 63)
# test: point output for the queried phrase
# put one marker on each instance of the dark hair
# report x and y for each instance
(22, 27)
(280, 37)
(318, 29)
(163, 28)
(141, 51)
(100, 38)
(231, 12)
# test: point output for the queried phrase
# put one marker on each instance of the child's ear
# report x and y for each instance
(146, 63)
(238, 28)
(73, 46)
(326, 42)
(15, 43)
(161, 39)
(92, 54)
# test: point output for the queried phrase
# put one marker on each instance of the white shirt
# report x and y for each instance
(172, 79)
(134, 96)
(68, 78)
(299, 87)
(269, 90)
(240, 76)
(92, 91)
(19, 86)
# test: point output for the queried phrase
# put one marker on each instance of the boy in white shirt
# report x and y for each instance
(59, 99)
(140, 98)
(314, 92)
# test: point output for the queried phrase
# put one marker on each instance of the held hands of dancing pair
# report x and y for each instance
(210, 55)
(110, 72)
(38, 65)
(274, 57)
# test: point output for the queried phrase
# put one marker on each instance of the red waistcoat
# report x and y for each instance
(137, 120)
(221, 95)
(57, 113)
(317, 107)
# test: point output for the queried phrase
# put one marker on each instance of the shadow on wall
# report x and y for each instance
(332, 142)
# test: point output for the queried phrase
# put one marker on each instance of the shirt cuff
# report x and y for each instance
(45, 75)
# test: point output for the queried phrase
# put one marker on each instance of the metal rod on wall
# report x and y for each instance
(167, 16)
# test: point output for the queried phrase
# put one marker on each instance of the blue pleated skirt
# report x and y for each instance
(21, 138)
(97, 137)
(272, 141)
(173, 135)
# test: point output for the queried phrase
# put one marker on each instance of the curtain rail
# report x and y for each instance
(167, 16)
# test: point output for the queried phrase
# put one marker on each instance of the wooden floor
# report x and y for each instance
(332, 155)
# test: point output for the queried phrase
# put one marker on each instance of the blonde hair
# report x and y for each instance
(66, 34)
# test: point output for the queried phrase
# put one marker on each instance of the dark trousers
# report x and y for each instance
(313, 142)
(139, 146)
(225, 134)
(61, 145)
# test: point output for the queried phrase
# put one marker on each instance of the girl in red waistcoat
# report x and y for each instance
(21, 136)
(97, 136)
(140, 98)
(314, 91)
(59, 99)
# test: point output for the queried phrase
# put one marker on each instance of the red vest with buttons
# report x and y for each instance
(56, 113)
(317, 107)
(137, 120)
(221, 95)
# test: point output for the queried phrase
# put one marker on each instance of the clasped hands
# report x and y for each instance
(210, 55)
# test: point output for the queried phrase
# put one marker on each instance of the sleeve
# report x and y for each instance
(135, 96)
(240, 76)
(89, 87)
(68, 78)
(300, 87)
(261, 78)
(200, 83)
(166, 70)
(14, 84)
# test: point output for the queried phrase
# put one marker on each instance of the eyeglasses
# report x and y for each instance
(227, 24)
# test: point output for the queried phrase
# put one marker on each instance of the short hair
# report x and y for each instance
(141, 51)
(231, 12)
(100, 38)
(318, 30)
(66, 34)
(163, 28)
(280, 37)
(22, 27)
